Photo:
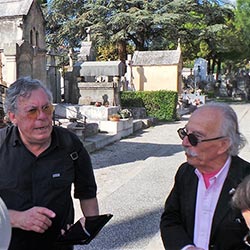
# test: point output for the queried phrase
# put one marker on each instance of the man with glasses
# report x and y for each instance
(38, 164)
(198, 214)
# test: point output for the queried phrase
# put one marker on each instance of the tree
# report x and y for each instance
(138, 23)
(242, 17)
(203, 32)
(242, 24)
(145, 25)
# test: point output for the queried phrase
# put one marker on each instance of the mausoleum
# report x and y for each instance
(22, 41)
(157, 70)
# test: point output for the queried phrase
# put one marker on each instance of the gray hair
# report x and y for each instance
(22, 87)
(241, 197)
(230, 126)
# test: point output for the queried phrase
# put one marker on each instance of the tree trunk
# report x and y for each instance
(122, 50)
(218, 68)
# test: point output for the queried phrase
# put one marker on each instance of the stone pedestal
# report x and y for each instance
(91, 92)
(91, 112)
(123, 126)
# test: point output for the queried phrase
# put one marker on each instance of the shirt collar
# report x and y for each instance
(224, 169)
(16, 139)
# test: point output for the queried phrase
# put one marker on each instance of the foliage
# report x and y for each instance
(109, 52)
(242, 17)
(125, 113)
(131, 99)
(159, 104)
(139, 23)
(206, 28)
(242, 23)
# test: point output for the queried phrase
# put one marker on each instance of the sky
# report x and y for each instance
(229, 1)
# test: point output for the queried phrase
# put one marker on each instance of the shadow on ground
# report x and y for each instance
(124, 152)
(124, 233)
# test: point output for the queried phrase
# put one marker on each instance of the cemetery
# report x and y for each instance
(87, 95)
(97, 58)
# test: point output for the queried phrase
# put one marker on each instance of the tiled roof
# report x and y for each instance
(159, 57)
(10, 8)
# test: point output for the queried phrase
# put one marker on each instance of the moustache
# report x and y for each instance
(190, 152)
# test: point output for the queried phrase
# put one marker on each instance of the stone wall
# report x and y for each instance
(91, 92)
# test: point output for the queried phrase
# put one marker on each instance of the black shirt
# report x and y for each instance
(27, 181)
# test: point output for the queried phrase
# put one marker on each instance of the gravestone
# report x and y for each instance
(101, 82)
(200, 71)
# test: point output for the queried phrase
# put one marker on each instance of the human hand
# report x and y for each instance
(82, 221)
(37, 219)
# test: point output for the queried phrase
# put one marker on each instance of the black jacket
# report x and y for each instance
(177, 221)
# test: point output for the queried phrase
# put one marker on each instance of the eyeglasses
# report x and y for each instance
(192, 138)
(247, 239)
(33, 113)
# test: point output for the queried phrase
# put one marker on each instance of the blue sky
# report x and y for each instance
(229, 1)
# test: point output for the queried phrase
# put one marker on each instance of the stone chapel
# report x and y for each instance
(22, 41)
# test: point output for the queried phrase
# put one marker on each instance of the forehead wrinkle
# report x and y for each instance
(205, 121)
(32, 101)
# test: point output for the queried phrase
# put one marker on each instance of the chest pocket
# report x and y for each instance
(63, 174)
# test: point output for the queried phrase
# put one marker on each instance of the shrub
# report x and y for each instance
(159, 104)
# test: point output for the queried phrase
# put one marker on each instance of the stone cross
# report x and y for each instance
(88, 34)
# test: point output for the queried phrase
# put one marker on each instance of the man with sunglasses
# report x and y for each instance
(198, 214)
(39, 163)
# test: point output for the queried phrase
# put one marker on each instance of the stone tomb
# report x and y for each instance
(100, 82)
(93, 120)
(91, 112)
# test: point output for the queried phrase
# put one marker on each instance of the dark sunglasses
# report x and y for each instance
(247, 239)
(192, 138)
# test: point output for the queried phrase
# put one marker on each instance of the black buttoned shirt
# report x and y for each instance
(27, 181)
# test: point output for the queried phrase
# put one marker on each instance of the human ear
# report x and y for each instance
(12, 118)
(225, 144)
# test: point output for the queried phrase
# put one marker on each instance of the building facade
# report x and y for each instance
(22, 41)
(157, 70)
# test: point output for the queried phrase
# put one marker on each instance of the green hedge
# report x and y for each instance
(159, 104)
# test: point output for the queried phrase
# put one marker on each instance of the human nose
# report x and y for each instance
(186, 142)
(43, 113)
